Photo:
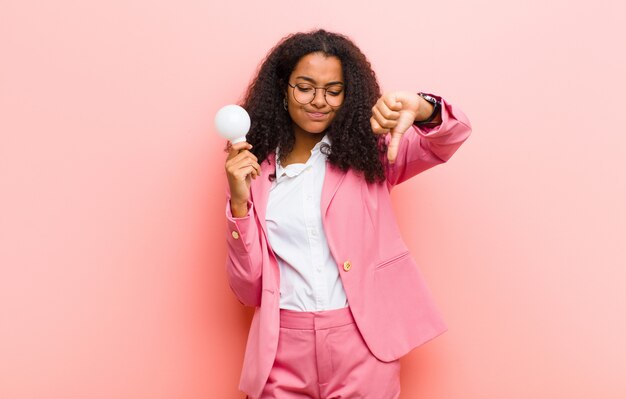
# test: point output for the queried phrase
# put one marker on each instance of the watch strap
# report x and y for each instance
(436, 108)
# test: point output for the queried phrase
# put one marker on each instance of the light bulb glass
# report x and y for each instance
(232, 123)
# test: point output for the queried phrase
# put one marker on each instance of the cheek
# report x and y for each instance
(333, 114)
(295, 112)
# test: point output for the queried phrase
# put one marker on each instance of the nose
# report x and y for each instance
(318, 100)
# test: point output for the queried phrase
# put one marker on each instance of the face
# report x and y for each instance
(321, 71)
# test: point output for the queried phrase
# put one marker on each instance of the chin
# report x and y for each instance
(318, 130)
(314, 128)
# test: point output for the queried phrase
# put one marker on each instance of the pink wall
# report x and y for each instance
(112, 202)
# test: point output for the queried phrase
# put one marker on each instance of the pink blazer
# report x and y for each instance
(391, 304)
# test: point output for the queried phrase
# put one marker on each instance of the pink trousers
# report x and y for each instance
(322, 355)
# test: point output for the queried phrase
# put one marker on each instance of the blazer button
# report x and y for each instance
(235, 235)
(347, 265)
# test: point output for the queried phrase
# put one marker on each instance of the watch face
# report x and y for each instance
(428, 98)
(436, 108)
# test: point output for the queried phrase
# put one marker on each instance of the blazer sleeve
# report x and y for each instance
(244, 256)
(421, 148)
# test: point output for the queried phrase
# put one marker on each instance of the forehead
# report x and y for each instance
(320, 67)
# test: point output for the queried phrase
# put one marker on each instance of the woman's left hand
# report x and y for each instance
(394, 113)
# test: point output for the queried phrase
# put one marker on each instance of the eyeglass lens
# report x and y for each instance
(305, 93)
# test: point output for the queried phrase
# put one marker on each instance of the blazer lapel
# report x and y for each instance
(260, 189)
(332, 181)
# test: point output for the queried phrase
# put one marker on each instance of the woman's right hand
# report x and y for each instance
(241, 167)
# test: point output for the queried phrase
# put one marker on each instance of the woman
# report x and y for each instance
(312, 240)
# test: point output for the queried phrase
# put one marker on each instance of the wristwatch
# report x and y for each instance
(436, 107)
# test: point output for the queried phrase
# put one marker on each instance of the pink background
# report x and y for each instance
(112, 200)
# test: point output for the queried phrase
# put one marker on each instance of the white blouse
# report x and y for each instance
(309, 277)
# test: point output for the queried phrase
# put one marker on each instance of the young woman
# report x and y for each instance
(313, 244)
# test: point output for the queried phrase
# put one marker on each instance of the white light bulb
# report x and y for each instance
(232, 123)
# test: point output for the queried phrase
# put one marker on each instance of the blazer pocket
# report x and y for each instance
(392, 260)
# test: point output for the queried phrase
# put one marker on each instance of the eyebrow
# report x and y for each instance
(313, 81)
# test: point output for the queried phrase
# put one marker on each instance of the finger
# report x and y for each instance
(386, 110)
(382, 121)
(376, 128)
(253, 171)
(244, 154)
(392, 102)
(253, 168)
(243, 172)
(235, 148)
(247, 163)
(257, 169)
(392, 147)
(250, 171)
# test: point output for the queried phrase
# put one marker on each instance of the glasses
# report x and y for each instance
(304, 93)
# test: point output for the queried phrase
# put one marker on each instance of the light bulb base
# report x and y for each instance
(238, 140)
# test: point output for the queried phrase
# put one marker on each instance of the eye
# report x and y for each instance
(304, 88)
(334, 90)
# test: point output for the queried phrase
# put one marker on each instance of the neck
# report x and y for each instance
(305, 141)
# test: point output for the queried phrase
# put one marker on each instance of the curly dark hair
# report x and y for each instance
(354, 145)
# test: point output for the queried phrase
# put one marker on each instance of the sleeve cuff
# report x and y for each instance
(232, 218)
(240, 229)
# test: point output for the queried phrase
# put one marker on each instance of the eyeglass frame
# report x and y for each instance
(315, 94)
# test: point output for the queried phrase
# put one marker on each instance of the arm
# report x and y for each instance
(244, 256)
(423, 147)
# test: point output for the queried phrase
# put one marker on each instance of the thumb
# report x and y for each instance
(392, 147)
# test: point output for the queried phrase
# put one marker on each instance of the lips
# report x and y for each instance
(316, 116)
